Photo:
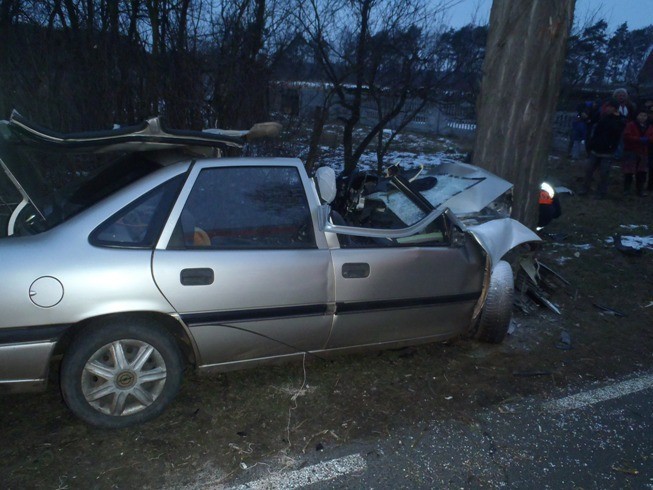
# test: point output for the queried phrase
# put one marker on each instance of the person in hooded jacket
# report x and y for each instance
(605, 139)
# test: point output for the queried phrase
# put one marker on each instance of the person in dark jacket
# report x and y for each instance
(604, 142)
(649, 186)
(625, 107)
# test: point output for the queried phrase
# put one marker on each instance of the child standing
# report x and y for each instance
(578, 135)
(634, 165)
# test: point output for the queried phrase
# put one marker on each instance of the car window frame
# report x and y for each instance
(155, 228)
(310, 194)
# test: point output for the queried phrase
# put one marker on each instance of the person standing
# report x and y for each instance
(606, 138)
(625, 108)
(634, 165)
(649, 186)
(579, 131)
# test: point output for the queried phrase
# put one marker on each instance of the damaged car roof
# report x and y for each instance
(150, 135)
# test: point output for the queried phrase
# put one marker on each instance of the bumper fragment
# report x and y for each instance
(24, 366)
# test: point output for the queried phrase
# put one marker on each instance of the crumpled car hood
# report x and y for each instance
(476, 197)
(499, 236)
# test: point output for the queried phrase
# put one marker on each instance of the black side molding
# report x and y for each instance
(31, 334)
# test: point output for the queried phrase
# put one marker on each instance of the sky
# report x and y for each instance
(637, 13)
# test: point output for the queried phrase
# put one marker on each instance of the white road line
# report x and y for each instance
(581, 400)
(327, 470)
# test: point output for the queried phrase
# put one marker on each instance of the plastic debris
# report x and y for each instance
(606, 310)
(625, 469)
(535, 283)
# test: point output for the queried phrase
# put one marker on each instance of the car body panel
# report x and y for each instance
(24, 366)
(259, 294)
(240, 301)
(403, 296)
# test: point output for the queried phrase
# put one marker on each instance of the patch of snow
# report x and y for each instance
(368, 160)
(636, 242)
(582, 246)
(634, 227)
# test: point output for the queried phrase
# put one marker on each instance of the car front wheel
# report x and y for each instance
(497, 311)
(121, 374)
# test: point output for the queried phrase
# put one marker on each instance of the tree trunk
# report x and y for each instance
(521, 80)
(320, 115)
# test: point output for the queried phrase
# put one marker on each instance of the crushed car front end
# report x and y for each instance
(453, 205)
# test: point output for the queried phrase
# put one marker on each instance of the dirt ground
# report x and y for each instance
(220, 426)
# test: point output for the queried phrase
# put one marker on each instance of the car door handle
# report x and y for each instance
(355, 270)
(197, 277)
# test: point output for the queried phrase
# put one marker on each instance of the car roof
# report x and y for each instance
(149, 135)
(152, 139)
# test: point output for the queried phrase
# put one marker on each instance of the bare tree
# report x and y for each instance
(240, 62)
(375, 56)
(522, 72)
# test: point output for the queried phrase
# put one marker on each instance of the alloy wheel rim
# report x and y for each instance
(123, 377)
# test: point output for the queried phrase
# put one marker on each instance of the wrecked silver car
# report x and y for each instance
(168, 258)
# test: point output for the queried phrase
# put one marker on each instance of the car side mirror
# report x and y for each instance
(325, 179)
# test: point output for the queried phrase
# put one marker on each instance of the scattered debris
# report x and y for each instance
(536, 283)
(565, 341)
(625, 469)
(606, 310)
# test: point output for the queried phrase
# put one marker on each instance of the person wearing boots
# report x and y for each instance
(605, 139)
(637, 135)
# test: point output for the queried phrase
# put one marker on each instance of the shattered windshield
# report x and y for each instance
(435, 188)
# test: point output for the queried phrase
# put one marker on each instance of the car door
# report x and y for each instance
(240, 263)
(390, 290)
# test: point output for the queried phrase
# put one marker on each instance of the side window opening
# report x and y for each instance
(139, 224)
(245, 208)
(435, 234)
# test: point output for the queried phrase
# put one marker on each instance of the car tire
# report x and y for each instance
(497, 311)
(119, 374)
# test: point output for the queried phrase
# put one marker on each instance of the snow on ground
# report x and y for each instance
(633, 241)
(412, 153)
(581, 246)
(634, 227)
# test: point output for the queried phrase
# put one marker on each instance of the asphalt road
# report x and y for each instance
(599, 436)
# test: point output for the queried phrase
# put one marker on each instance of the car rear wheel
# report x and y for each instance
(497, 311)
(121, 374)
